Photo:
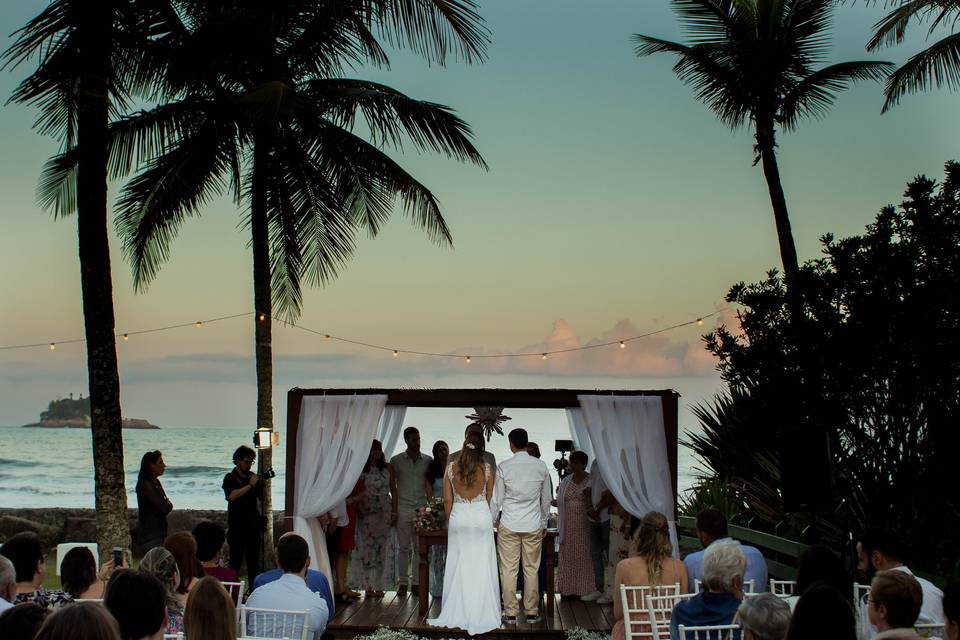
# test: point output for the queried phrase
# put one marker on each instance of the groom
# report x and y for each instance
(521, 500)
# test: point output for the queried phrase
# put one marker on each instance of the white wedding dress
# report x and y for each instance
(471, 581)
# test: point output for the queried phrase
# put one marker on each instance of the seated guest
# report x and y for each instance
(316, 581)
(764, 617)
(82, 621)
(880, 550)
(210, 537)
(79, 577)
(712, 527)
(723, 566)
(184, 550)
(654, 565)
(951, 611)
(210, 614)
(138, 602)
(818, 564)
(8, 584)
(160, 564)
(290, 591)
(823, 612)
(894, 605)
(22, 621)
(26, 553)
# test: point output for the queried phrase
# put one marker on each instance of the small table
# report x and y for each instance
(427, 539)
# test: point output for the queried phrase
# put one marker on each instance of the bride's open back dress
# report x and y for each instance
(471, 582)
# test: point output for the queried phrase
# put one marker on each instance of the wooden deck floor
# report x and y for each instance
(364, 616)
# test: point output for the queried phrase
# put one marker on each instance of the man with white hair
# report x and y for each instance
(8, 584)
(723, 566)
(764, 617)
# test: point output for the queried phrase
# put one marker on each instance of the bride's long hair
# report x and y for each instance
(470, 459)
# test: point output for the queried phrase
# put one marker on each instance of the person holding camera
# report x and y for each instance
(242, 490)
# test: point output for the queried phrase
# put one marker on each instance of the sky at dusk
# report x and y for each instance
(615, 204)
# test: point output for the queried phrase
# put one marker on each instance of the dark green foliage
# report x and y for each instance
(882, 313)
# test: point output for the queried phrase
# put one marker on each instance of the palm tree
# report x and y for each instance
(937, 65)
(754, 60)
(259, 103)
(92, 59)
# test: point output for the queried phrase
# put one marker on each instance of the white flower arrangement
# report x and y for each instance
(386, 633)
(579, 633)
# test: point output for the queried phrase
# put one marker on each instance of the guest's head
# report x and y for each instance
(78, 571)
(138, 602)
(210, 613)
(578, 462)
(653, 543)
(441, 451)
(822, 607)
(8, 579)
(152, 466)
(26, 553)
(895, 600)
(711, 525)
(160, 563)
(879, 550)
(293, 555)
(518, 440)
(22, 621)
(819, 564)
(376, 458)
(764, 617)
(184, 549)
(951, 611)
(533, 449)
(411, 436)
(80, 621)
(210, 537)
(723, 567)
(243, 458)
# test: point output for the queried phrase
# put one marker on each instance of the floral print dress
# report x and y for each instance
(376, 550)
(575, 566)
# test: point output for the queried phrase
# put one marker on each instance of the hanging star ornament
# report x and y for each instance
(489, 419)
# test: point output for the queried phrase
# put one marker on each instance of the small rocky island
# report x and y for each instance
(68, 413)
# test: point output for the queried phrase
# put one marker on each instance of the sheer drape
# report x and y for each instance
(626, 433)
(333, 443)
(578, 432)
(390, 425)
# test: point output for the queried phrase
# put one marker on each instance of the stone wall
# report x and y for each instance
(56, 525)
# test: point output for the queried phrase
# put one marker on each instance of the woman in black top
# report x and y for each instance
(152, 503)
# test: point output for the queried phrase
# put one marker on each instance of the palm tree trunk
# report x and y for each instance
(766, 144)
(263, 305)
(96, 282)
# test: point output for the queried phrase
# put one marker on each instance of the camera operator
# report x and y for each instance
(243, 491)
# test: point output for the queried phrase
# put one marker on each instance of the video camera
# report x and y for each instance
(266, 475)
(561, 464)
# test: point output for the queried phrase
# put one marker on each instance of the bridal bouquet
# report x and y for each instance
(430, 517)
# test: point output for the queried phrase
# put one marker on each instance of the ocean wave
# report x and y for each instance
(195, 470)
(17, 464)
(39, 491)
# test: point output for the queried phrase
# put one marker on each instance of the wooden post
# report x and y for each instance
(294, 400)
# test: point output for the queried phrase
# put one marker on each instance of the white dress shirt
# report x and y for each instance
(4, 605)
(522, 493)
(931, 610)
(290, 593)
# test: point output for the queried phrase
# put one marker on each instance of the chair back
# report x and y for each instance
(235, 589)
(931, 630)
(859, 592)
(93, 600)
(783, 588)
(748, 586)
(173, 636)
(711, 632)
(274, 623)
(660, 611)
(633, 601)
(64, 547)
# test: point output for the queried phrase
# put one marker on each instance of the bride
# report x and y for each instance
(471, 583)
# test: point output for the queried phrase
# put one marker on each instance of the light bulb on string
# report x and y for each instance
(396, 353)
(543, 356)
(326, 337)
(623, 345)
(263, 317)
(125, 337)
(467, 359)
(53, 345)
(699, 322)
(199, 323)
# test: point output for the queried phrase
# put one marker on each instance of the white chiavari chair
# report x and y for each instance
(274, 623)
(633, 601)
(748, 586)
(783, 588)
(931, 630)
(711, 632)
(235, 589)
(659, 612)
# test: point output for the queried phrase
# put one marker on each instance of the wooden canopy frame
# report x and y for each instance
(469, 398)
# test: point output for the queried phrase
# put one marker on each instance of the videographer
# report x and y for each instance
(243, 491)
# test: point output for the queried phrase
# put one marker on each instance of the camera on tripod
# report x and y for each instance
(266, 475)
(561, 464)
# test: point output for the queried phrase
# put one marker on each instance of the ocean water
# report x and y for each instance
(54, 467)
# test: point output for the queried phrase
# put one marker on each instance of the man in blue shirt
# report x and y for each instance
(316, 581)
(711, 528)
(289, 593)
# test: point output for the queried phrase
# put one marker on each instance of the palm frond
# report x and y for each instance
(814, 95)
(937, 65)
(892, 28)
(435, 29)
(705, 21)
(57, 187)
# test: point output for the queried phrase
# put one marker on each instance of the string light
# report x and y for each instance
(395, 353)
(53, 345)
(623, 345)
(543, 356)
(263, 317)
(467, 359)
(326, 337)
(199, 323)
(125, 337)
(699, 322)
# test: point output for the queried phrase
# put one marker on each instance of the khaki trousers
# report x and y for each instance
(511, 548)
(407, 546)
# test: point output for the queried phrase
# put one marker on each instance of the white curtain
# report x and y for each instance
(626, 433)
(578, 432)
(333, 444)
(390, 426)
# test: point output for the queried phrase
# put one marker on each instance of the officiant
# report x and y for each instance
(488, 457)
